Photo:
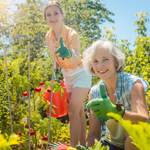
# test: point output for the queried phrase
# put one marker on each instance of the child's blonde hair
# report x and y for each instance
(53, 3)
(107, 45)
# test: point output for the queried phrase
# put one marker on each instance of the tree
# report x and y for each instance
(4, 24)
(141, 23)
(138, 60)
(29, 29)
(109, 34)
(86, 16)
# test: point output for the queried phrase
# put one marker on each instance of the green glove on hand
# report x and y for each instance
(102, 106)
(62, 51)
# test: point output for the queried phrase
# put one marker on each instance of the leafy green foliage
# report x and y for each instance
(4, 111)
(29, 31)
(86, 16)
(98, 146)
(18, 83)
(59, 132)
(139, 133)
(141, 23)
(138, 61)
(109, 34)
(6, 144)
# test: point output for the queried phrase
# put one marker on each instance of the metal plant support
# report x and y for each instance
(29, 110)
(8, 92)
(50, 112)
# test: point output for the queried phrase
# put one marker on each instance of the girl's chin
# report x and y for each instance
(103, 76)
(52, 25)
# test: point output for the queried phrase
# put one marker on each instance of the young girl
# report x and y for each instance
(106, 61)
(64, 45)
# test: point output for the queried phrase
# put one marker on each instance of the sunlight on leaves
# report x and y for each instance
(139, 132)
(98, 146)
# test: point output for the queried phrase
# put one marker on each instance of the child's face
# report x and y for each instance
(103, 64)
(54, 16)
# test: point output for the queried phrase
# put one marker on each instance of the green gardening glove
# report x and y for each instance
(62, 51)
(102, 106)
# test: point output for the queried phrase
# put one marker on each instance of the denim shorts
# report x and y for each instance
(80, 79)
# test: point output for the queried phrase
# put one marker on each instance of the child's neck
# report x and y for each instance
(58, 32)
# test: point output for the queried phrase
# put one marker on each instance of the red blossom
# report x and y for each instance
(25, 94)
(49, 90)
(44, 138)
(37, 89)
(32, 132)
(41, 83)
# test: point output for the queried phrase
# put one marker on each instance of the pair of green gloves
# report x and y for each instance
(102, 106)
(63, 51)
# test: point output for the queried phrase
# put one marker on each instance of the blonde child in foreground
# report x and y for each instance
(64, 45)
(106, 61)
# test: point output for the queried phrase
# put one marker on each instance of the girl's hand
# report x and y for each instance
(62, 51)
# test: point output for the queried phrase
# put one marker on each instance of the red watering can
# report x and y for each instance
(59, 101)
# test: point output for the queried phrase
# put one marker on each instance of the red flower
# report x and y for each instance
(41, 83)
(25, 94)
(32, 132)
(45, 138)
(37, 89)
(49, 90)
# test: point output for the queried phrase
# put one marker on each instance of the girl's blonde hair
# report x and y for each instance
(107, 45)
(53, 3)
